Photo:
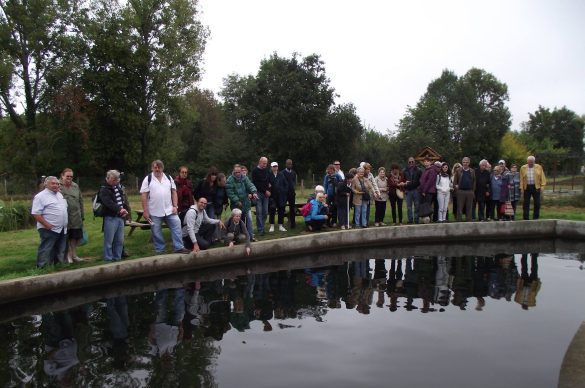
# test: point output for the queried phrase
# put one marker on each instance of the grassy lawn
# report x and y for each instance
(18, 248)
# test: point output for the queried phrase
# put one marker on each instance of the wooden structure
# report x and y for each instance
(428, 152)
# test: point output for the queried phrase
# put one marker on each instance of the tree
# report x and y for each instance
(287, 111)
(458, 116)
(141, 56)
(550, 131)
(513, 150)
(35, 38)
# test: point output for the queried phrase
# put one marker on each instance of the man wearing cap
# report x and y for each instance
(532, 181)
(261, 180)
(291, 180)
(278, 193)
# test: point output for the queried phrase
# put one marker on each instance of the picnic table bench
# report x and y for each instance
(140, 223)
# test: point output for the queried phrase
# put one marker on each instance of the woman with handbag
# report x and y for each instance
(498, 194)
(396, 183)
(363, 191)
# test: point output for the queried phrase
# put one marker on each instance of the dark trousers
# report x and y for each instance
(272, 211)
(204, 237)
(380, 211)
(435, 207)
(396, 202)
(531, 191)
(291, 210)
(332, 212)
(316, 224)
(481, 207)
(53, 247)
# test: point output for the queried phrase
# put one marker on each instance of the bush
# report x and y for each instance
(15, 216)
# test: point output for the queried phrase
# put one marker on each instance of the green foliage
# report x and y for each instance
(513, 150)
(458, 116)
(14, 216)
(287, 111)
(378, 149)
(556, 136)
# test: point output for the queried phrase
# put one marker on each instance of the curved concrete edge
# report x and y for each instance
(572, 373)
(29, 287)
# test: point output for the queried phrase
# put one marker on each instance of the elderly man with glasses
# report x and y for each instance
(412, 175)
(199, 228)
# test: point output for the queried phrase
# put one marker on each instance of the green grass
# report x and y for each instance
(18, 248)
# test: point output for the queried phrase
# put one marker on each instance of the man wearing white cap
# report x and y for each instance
(279, 190)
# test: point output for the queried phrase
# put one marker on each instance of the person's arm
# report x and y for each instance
(144, 201)
(81, 205)
(40, 219)
(175, 201)
(543, 178)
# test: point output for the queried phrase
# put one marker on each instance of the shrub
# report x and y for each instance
(15, 216)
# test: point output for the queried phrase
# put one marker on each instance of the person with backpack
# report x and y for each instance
(199, 228)
(115, 210)
(158, 195)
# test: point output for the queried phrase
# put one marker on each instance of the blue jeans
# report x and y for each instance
(261, 211)
(360, 213)
(52, 248)
(412, 200)
(113, 238)
(249, 224)
(178, 307)
(174, 224)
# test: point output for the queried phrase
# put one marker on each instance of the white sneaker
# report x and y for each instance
(281, 228)
(377, 224)
(271, 230)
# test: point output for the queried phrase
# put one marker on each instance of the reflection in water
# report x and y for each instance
(171, 338)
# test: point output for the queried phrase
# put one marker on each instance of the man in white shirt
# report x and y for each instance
(49, 209)
(158, 195)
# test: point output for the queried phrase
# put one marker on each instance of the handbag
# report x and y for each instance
(84, 239)
(508, 208)
(400, 194)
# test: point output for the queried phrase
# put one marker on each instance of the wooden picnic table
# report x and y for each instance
(140, 223)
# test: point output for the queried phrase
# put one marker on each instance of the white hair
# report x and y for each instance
(236, 212)
(531, 158)
(49, 179)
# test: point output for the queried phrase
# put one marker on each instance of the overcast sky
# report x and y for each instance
(381, 55)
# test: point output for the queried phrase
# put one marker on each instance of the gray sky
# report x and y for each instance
(381, 55)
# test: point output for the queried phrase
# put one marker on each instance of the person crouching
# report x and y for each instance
(199, 227)
(236, 231)
(318, 214)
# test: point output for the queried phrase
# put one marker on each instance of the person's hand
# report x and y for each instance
(248, 251)
(326, 217)
(254, 196)
(231, 244)
(239, 205)
(487, 194)
(146, 215)
(175, 210)
(48, 226)
(196, 248)
(221, 225)
(267, 193)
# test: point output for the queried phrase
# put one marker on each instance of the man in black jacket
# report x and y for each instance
(412, 175)
(115, 211)
(291, 178)
(482, 189)
(261, 179)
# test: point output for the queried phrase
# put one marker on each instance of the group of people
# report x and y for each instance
(481, 194)
(192, 213)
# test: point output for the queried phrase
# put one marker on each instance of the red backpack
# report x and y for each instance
(306, 209)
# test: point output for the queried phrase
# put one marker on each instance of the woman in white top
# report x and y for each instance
(382, 183)
(444, 186)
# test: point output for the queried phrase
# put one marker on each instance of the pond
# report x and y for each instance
(489, 320)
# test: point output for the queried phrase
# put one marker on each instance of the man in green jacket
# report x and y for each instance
(240, 190)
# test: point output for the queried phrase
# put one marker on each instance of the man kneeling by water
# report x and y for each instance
(199, 228)
(236, 231)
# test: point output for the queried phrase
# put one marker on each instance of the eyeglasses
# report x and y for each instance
(411, 162)
(337, 164)
(183, 172)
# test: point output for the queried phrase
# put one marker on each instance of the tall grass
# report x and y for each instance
(15, 216)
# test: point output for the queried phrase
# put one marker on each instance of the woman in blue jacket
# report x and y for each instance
(318, 215)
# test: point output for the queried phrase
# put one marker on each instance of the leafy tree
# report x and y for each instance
(142, 55)
(550, 131)
(287, 111)
(513, 150)
(378, 149)
(458, 116)
(35, 38)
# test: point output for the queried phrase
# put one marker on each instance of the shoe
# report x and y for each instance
(254, 239)
(261, 233)
(376, 224)
(271, 230)
(382, 224)
(281, 228)
(184, 251)
(334, 225)
(342, 227)
(125, 254)
(349, 226)
(78, 259)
